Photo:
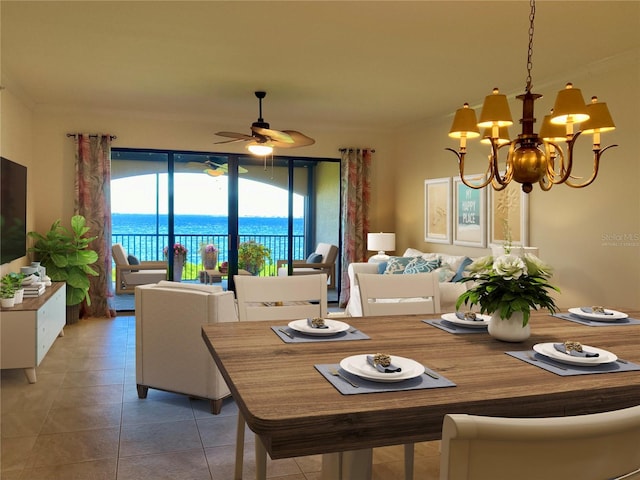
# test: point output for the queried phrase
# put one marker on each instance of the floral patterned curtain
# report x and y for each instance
(93, 201)
(356, 190)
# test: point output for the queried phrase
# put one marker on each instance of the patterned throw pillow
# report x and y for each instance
(396, 265)
(420, 265)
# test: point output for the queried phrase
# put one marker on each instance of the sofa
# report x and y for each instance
(450, 268)
(170, 352)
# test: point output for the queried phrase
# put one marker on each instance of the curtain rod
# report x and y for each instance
(74, 135)
(345, 149)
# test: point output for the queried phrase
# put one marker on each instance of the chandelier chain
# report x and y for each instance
(532, 17)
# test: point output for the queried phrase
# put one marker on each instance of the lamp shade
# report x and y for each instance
(381, 242)
(495, 111)
(552, 132)
(599, 118)
(503, 136)
(464, 123)
(569, 106)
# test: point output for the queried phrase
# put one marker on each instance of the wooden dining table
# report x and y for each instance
(295, 411)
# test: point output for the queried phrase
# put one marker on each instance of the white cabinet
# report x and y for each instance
(28, 330)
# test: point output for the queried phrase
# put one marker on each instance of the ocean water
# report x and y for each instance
(145, 235)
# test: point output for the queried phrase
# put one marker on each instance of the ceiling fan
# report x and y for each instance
(213, 169)
(265, 138)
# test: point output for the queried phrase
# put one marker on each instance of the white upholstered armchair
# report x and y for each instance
(170, 352)
(323, 260)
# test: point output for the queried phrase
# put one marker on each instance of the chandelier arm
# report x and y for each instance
(488, 174)
(596, 165)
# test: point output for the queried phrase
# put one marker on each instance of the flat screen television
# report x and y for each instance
(13, 210)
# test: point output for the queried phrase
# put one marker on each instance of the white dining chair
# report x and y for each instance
(596, 446)
(275, 299)
(400, 295)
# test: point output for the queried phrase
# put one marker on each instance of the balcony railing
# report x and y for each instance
(149, 247)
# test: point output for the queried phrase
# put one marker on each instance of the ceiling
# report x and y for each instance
(359, 64)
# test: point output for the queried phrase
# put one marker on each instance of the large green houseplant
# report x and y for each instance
(67, 257)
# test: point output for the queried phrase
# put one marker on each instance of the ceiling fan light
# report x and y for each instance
(599, 118)
(260, 149)
(569, 107)
(495, 111)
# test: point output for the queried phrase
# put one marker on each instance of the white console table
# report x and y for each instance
(28, 329)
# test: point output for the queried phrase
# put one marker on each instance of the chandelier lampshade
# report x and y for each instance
(569, 107)
(495, 111)
(531, 157)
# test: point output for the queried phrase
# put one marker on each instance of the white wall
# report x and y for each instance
(16, 130)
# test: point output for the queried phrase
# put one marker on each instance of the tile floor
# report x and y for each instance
(82, 419)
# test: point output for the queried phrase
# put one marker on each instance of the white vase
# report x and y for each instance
(8, 302)
(19, 296)
(509, 329)
(178, 264)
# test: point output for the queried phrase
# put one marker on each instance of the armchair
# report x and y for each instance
(128, 276)
(170, 353)
(325, 253)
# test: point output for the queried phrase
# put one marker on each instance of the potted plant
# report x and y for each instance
(508, 288)
(179, 259)
(252, 256)
(15, 279)
(209, 255)
(7, 294)
(67, 257)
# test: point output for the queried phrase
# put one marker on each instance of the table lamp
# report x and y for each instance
(381, 242)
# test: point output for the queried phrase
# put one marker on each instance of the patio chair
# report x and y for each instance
(130, 274)
(600, 445)
(275, 298)
(323, 260)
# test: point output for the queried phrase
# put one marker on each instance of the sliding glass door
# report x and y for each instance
(244, 208)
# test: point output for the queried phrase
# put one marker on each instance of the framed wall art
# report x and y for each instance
(509, 216)
(470, 221)
(437, 210)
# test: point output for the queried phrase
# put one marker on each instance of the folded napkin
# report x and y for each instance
(462, 316)
(313, 325)
(590, 310)
(391, 368)
(561, 348)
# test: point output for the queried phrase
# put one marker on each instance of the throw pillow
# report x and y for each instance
(445, 273)
(396, 265)
(382, 266)
(420, 265)
(460, 274)
(133, 261)
(314, 258)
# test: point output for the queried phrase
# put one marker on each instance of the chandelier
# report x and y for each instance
(532, 157)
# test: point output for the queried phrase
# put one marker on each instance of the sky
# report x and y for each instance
(197, 194)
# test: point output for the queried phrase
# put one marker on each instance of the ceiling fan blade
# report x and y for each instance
(232, 141)
(274, 135)
(238, 136)
(299, 140)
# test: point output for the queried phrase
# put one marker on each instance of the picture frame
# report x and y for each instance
(437, 210)
(470, 213)
(509, 216)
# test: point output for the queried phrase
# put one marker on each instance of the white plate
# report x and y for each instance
(358, 365)
(599, 317)
(548, 350)
(451, 317)
(335, 327)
